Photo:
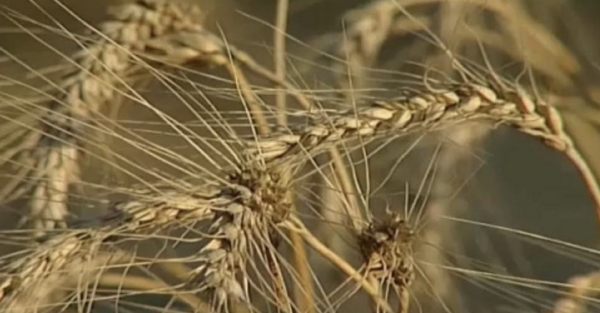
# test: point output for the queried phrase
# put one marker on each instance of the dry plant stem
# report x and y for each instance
(305, 291)
(101, 69)
(279, 47)
(251, 100)
(588, 176)
(584, 288)
(281, 293)
(311, 240)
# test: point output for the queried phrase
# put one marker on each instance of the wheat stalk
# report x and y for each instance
(245, 214)
(248, 208)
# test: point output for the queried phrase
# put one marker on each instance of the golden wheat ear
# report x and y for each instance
(386, 249)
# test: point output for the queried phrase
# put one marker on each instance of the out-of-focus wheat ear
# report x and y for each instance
(356, 48)
(154, 30)
(242, 227)
(583, 289)
(386, 248)
(29, 284)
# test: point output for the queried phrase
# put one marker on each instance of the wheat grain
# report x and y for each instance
(467, 102)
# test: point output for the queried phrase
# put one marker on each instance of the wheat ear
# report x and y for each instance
(74, 255)
(243, 213)
(246, 210)
(388, 259)
(500, 103)
(152, 30)
(418, 112)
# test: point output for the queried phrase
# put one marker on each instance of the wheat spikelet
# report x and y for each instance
(243, 229)
(419, 112)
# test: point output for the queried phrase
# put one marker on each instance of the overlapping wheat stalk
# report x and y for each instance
(465, 27)
(421, 112)
(246, 209)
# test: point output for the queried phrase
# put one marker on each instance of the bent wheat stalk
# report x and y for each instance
(458, 103)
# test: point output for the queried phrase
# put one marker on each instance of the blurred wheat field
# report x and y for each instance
(310, 156)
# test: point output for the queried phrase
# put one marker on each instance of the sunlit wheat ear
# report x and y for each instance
(48, 157)
(386, 247)
(420, 111)
(242, 229)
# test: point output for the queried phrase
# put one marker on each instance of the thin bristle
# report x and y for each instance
(246, 193)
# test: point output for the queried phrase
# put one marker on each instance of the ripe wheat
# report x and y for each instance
(238, 212)
(246, 210)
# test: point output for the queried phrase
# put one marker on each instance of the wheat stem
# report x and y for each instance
(297, 226)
